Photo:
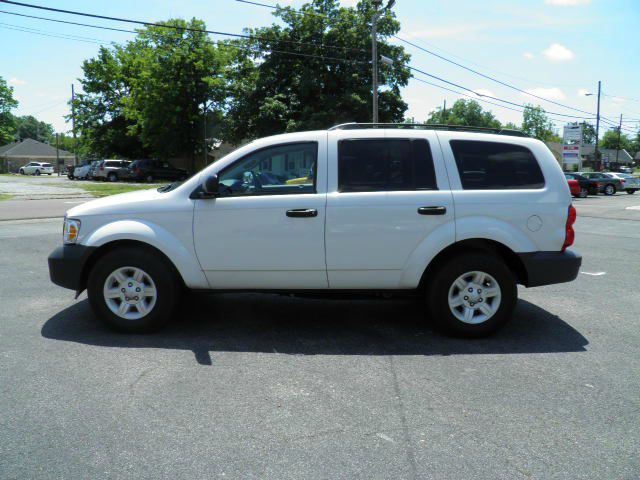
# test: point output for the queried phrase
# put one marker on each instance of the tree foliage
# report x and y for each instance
(147, 97)
(7, 103)
(610, 140)
(465, 112)
(286, 93)
(29, 126)
(537, 124)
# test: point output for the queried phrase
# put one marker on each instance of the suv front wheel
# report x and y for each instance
(472, 295)
(133, 291)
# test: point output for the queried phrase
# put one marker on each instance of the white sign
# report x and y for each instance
(572, 145)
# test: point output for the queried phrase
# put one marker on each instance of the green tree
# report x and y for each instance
(7, 103)
(465, 112)
(588, 134)
(610, 140)
(285, 93)
(148, 96)
(30, 127)
(537, 124)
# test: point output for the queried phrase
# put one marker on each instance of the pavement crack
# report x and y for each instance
(411, 458)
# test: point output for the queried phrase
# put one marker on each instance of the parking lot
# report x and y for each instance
(264, 386)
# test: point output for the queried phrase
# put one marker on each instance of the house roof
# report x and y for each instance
(623, 155)
(31, 148)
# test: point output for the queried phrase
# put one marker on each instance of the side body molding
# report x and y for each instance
(178, 248)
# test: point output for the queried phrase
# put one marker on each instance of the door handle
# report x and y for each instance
(432, 210)
(302, 212)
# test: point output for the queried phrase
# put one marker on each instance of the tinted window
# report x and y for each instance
(374, 165)
(496, 166)
(282, 169)
(47, 165)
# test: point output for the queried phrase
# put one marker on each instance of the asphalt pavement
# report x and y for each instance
(270, 387)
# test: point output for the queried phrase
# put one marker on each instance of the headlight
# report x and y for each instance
(70, 230)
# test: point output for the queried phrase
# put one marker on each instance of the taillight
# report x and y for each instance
(621, 182)
(570, 234)
(101, 167)
(598, 184)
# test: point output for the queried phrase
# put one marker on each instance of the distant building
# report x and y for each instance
(16, 154)
(607, 156)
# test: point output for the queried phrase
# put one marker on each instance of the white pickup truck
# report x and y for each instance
(457, 216)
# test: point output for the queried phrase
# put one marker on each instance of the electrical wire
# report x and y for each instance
(175, 27)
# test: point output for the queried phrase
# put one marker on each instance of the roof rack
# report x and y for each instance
(433, 126)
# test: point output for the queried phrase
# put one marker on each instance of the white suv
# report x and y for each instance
(36, 168)
(457, 217)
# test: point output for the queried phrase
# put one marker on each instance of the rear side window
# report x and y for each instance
(496, 166)
(47, 165)
(377, 165)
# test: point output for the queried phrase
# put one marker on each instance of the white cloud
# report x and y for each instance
(484, 91)
(528, 55)
(16, 81)
(552, 93)
(567, 3)
(558, 53)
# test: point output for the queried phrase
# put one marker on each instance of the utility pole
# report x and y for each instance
(619, 132)
(73, 125)
(374, 52)
(597, 152)
(374, 58)
(206, 158)
(444, 112)
(57, 155)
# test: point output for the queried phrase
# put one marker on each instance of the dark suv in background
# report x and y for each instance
(152, 170)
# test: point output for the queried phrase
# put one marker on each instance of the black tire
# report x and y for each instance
(443, 280)
(37, 173)
(149, 178)
(609, 189)
(21, 171)
(112, 177)
(631, 192)
(583, 193)
(160, 271)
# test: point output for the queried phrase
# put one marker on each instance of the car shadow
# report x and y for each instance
(316, 326)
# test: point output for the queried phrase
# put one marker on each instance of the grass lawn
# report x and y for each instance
(5, 196)
(106, 189)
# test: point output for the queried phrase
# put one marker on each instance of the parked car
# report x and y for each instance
(574, 188)
(587, 186)
(92, 169)
(608, 185)
(624, 169)
(152, 170)
(631, 184)
(81, 172)
(378, 216)
(112, 170)
(36, 168)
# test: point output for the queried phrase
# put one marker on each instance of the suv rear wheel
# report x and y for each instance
(610, 189)
(472, 295)
(133, 291)
(112, 177)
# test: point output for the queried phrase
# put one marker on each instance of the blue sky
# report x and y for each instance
(557, 49)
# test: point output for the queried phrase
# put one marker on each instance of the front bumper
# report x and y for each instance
(66, 266)
(546, 268)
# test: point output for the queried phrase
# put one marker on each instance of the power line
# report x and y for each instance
(175, 27)
(219, 43)
(490, 96)
(68, 22)
(45, 34)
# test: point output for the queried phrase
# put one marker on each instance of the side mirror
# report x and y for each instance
(211, 185)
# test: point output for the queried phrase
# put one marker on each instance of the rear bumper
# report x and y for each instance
(546, 268)
(66, 266)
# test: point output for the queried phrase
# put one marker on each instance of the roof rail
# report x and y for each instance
(433, 126)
